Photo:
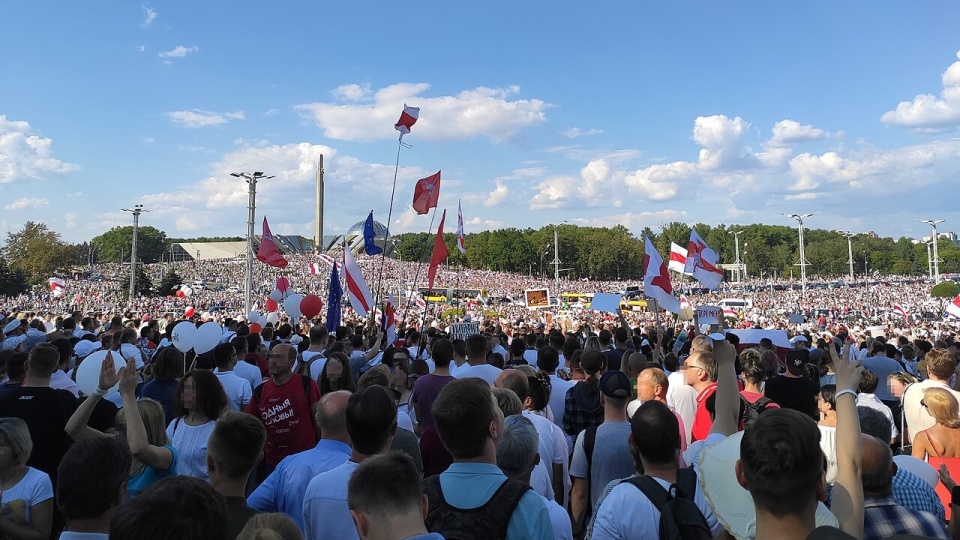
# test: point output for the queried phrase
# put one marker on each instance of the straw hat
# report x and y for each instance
(732, 504)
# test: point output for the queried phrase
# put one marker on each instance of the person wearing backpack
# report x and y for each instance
(665, 494)
(753, 376)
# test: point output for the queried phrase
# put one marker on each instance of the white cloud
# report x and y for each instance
(196, 118)
(25, 203)
(186, 223)
(721, 139)
(575, 132)
(142, 47)
(659, 182)
(497, 196)
(808, 196)
(634, 221)
(272, 112)
(370, 116)
(149, 16)
(928, 112)
(179, 52)
(789, 132)
(24, 154)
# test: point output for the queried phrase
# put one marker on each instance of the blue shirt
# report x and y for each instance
(911, 492)
(325, 511)
(471, 485)
(148, 476)
(883, 518)
(283, 490)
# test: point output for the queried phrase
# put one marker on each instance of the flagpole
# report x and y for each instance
(386, 233)
(416, 276)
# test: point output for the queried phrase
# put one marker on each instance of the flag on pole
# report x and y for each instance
(702, 262)
(370, 246)
(901, 311)
(268, 252)
(954, 307)
(334, 299)
(313, 268)
(678, 258)
(685, 303)
(440, 253)
(461, 243)
(426, 193)
(389, 321)
(57, 286)
(326, 258)
(656, 281)
(407, 119)
(360, 298)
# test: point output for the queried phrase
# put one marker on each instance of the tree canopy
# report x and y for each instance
(36, 251)
(117, 242)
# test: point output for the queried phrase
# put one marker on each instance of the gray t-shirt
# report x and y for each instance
(611, 457)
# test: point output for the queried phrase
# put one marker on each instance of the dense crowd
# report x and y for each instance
(552, 423)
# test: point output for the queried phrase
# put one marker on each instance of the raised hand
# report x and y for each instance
(108, 373)
(128, 378)
(848, 370)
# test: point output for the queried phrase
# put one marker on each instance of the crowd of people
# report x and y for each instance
(554, 423)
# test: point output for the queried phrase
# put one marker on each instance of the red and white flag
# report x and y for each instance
(360, 297)
(268, 252)
(685, 303)
(440, 253)
(327, 259)
(702, 262)
(901, 311)
(954, 307)
(730, 313)
(313, 268)
(461, 242)
(678, 258)
(390, 320)
(407, 119)
(426, 193)
(57, 286)
(656, 280)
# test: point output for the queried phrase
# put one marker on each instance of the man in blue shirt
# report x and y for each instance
(470, 424)
(283, 490)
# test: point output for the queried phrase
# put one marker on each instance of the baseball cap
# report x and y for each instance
(614, 384)
(11, 326)
(85, 348)
(796, 363)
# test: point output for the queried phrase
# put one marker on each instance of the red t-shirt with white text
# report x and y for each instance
(285, 411)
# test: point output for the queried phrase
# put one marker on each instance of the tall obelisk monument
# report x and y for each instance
(318, 212)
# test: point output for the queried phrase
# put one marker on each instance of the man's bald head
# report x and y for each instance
(878, 468)
(280, 360)
(635, 363)
(332, 415)
(514, 380)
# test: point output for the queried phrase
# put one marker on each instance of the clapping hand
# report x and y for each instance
(945, 478)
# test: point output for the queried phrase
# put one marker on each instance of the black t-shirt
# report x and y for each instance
(46, 412)
(614, 359)
(104, 415)
(799, 394)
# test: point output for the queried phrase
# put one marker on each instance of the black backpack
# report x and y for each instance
(680, 518)
(487, 522)
(752, 411)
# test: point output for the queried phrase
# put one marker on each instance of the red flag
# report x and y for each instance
(268, 252)
(426, 193)
(439, 253)
(407, 119)
(656, 281)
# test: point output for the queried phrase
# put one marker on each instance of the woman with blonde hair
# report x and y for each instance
(273, 526)
(943, 439)
(153, 456)
(26, 494)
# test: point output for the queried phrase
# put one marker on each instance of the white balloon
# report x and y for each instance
(273, 318)
(183, 336)
(208, 336)
(187, 291)
(88, 372)
(292, 305)
(276, 295)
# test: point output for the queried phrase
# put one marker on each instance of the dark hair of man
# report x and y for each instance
(868, 382)
(236, 442)
(71, 324)
(516, 381)
(253, 342)
(530, 339)
(878, 347)
(283, 331)
(517, 347)
(671, 362)
(15, 365)
(548, 359)
(239, 346)
(463, 412)
(223, 354)
(318, 335)
(65, 349)
(385, 486)
(477, 348)
(556, 340)
(42, 360)
(766, 343)
(604, 337)
(874, 423)
(782, 461)
(570, 345)
(89, 477)
(655, 433)
(620, 335)
(442, 351)
(176, 507)
(116, 323)
(167, 364)
(459, 347)
(211, 399)
(371, 416)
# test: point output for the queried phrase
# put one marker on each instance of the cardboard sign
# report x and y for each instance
(605, 302)
(464, 330)
(537, 298)
(709, 314)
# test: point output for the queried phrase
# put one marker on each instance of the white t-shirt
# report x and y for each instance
(237, 389)
(484, 371)
(553, 448)
(248, 372)
(32, 489)
(191, 444)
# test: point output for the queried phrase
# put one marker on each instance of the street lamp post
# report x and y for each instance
(802, 263)
(739, 263)
(251, 179)
(933, 238)
(929, 261)
(556, 257)
(849, 235)
(136, 211)
(542, 255)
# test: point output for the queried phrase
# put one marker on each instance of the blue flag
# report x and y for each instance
(333, 301)
(369, 237)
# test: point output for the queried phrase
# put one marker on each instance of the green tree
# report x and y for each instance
(142, 284)
(12, 281)
(116, 243)
(168, 285)
(945, 291)
(36, 251)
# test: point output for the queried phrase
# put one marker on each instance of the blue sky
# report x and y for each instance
(619, 112)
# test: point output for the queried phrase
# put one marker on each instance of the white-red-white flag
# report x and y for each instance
(656, 280)
(407, 119)
(360, 297)
(685, 303)
(678, 258)
(313, 268)
(898, 309)
(57, 286)
(702, 262)
(390, 320)
(461, 243)
(954, 307)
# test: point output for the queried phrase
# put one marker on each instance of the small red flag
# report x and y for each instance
(268, 252)
(440, 253)
(426, 193)
(407, 119)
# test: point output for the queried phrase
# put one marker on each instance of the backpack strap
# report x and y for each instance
(651, 489)
(257, 392)
(686, 483)
(505, 501)
(762, 403)
(435, 501)
(306, 389)
(589, 442)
